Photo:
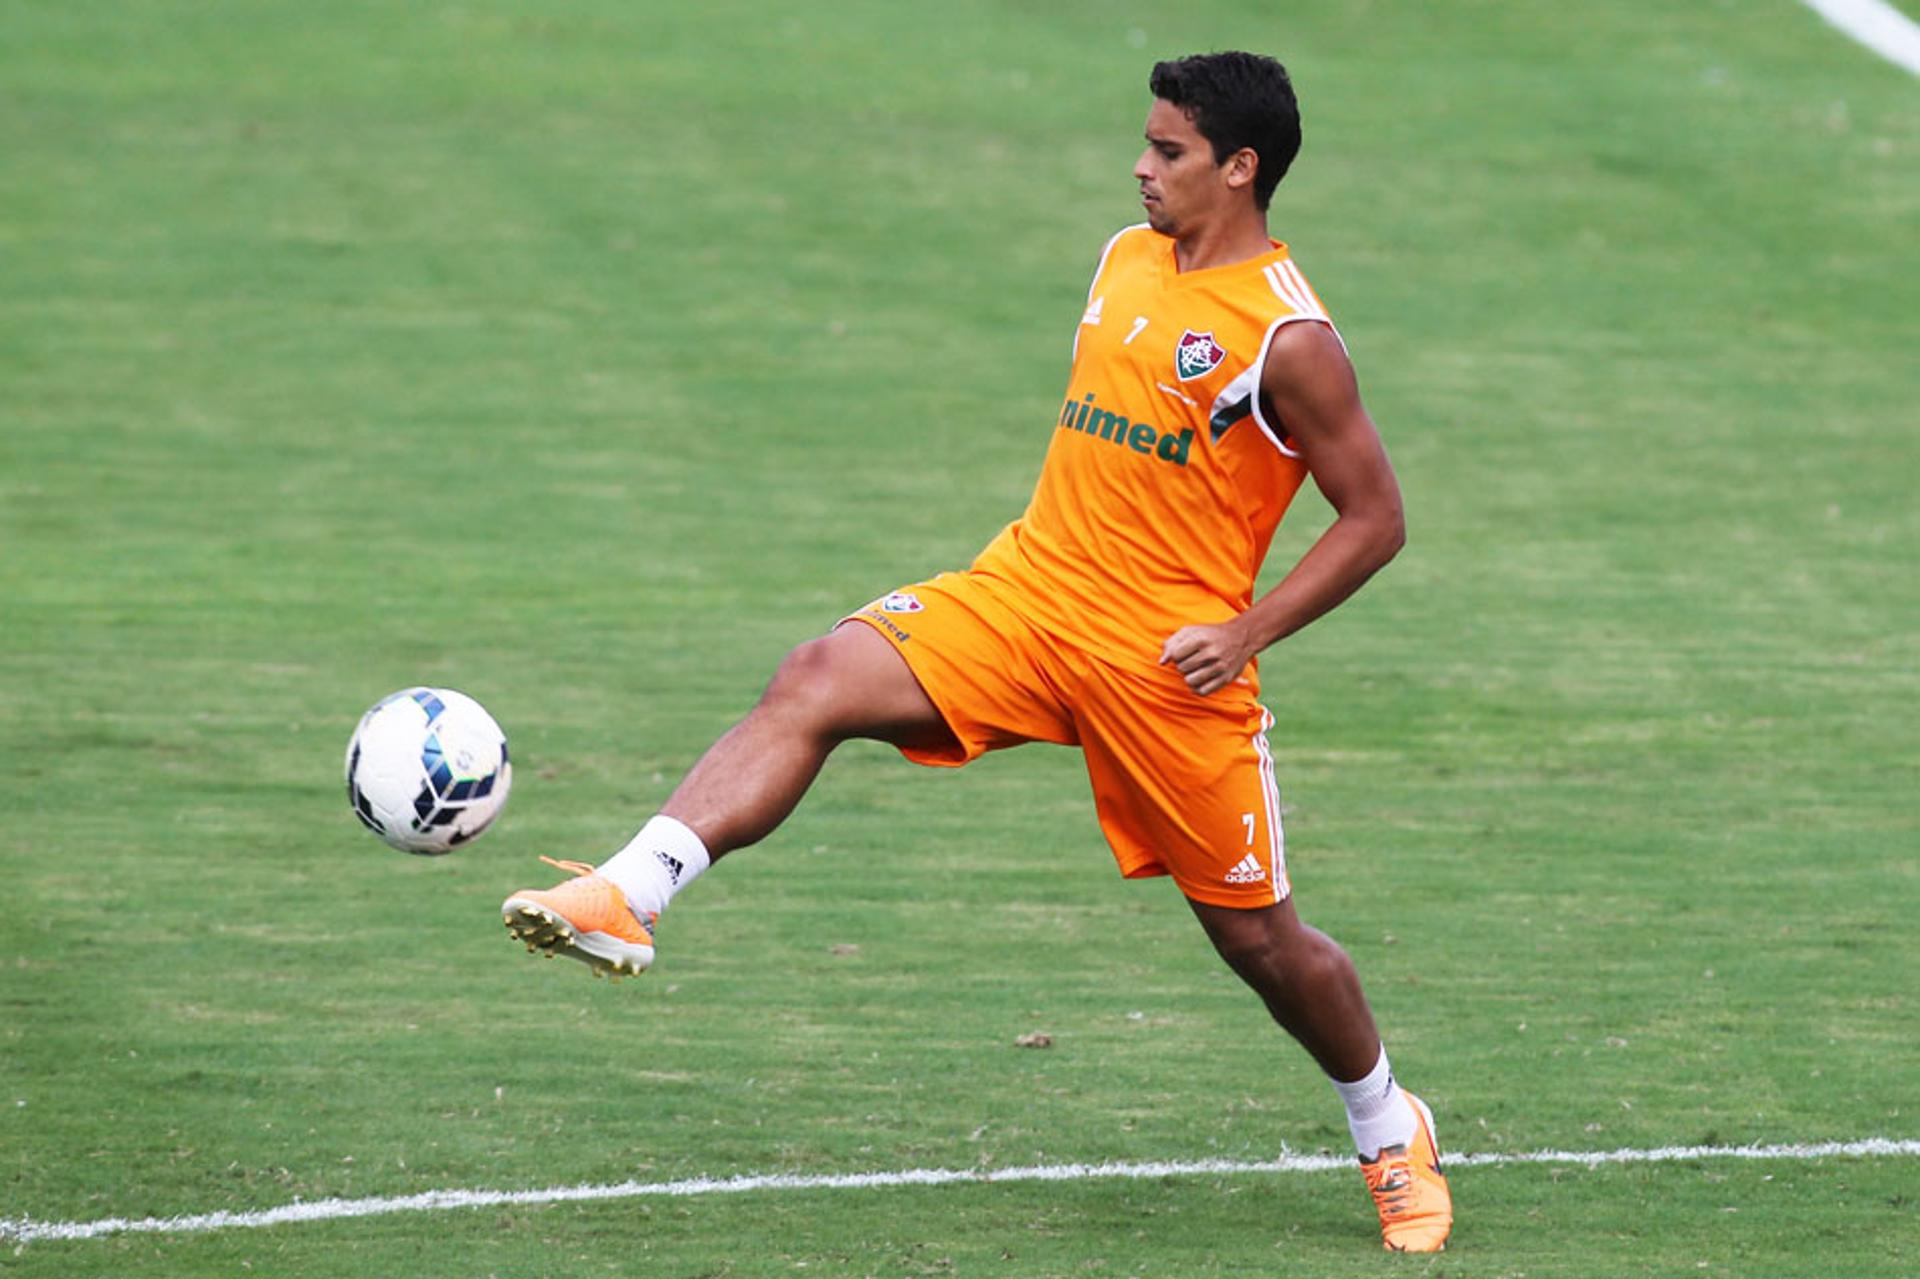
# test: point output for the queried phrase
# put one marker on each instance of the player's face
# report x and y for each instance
(1179, 182)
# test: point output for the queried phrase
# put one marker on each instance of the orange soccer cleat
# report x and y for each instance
(587, 918)
(1416, 1208)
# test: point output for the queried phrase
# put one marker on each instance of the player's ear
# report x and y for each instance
(1242, 167)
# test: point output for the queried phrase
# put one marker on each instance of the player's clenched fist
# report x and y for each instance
(1208, 657)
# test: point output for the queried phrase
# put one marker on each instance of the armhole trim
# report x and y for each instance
(1260, 365)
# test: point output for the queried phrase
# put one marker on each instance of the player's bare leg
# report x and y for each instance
(849, 683)
(1304, 978)
(846, 684)
(1310, 986)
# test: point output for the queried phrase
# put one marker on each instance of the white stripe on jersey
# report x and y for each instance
(1291, 270)
(1290, 286)
(1094, 283)
(1283, 289)
(1105, 254)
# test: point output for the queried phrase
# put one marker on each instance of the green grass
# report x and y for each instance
(587, 359)
(1702, 1220)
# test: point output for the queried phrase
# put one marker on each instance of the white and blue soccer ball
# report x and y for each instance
(427, 770)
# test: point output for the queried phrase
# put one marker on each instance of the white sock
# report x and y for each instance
(661, 860)
(1377, 1113)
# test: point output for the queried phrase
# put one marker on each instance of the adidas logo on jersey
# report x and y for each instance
(1248, 871)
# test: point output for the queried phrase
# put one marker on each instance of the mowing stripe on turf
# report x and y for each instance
(25, 1230)
(1876, 24)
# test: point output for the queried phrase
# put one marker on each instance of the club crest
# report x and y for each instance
(1197, 355)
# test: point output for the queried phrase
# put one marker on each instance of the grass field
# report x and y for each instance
(586, 357)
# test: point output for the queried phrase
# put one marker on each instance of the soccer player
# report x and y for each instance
(1117, 614)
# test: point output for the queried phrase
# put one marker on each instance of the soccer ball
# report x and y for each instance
(427, 770)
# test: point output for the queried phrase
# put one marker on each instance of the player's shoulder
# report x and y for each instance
(1130, 241)
(1136, 232)
(1280, 282)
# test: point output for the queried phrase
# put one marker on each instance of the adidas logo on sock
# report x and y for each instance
(673, 864)
(1248, 871)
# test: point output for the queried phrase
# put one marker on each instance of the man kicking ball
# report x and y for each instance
(1117, 614)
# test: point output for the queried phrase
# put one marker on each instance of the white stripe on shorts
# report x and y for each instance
(1270, 788)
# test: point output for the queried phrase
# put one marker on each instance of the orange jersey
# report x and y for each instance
(1164, 481)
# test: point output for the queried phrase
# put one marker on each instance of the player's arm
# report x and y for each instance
(1310, 393)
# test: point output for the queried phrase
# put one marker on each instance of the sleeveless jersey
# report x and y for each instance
(1164, 481)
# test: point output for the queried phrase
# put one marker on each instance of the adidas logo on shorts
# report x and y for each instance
(1248, 871)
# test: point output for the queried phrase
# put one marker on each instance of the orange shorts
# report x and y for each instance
(1183, 784)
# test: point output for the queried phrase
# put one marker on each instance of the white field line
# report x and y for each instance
(23, 1230)
(1876, 24)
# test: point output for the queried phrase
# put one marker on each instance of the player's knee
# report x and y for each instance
(807, 686)
(1256, 959)
(1280, 960)
(1317, 963)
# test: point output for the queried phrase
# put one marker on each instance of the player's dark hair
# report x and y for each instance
(1237, 100)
